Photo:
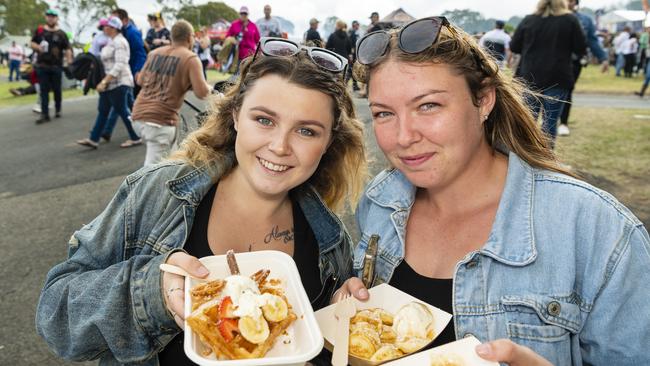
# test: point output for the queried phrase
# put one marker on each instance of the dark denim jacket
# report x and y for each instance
(104, 302)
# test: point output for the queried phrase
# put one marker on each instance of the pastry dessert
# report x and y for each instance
(240, 317)
(378, 335)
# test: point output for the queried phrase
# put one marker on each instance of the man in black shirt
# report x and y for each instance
(312, 33)
(51, 44)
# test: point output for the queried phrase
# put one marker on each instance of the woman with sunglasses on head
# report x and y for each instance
(277, 155)
(472, 215)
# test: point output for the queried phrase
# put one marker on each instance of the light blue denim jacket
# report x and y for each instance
(104, 302)
(565, 271)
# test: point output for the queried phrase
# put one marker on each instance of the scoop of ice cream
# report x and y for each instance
(413, 320)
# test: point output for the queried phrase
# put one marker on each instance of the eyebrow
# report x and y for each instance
(415, 99)
(274, 114)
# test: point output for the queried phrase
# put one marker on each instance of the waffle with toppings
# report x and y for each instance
(377, 335)
(240, 317)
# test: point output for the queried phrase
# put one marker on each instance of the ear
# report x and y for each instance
(486, 102)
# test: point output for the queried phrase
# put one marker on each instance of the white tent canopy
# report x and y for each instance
(611, 19)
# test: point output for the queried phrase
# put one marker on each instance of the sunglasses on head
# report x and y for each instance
(414, 37)
(280, 47)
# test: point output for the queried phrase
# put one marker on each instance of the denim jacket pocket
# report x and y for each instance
(543, 323)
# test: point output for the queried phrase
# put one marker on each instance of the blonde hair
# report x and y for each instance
(547, 8)
(339, 25)
(342, 170)
(510, 124)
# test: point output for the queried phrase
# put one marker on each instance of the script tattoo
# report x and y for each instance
(276, 234)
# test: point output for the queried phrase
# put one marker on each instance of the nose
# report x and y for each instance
(407, 133)
(279, 143)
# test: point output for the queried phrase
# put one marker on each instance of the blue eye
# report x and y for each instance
(428, 106)
(264, 121)
(306, 132)
(381, 115)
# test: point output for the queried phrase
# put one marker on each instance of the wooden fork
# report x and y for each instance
(344, 310)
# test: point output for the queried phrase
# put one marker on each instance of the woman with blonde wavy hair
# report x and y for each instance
(477, 216)
(278, 154)
(547, 40)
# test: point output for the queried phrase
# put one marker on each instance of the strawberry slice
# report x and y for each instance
(226, 308)
(227, 328)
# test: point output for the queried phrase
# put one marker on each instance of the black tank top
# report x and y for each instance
(305, 254)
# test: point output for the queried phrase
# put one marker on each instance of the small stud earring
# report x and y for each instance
(485, 117)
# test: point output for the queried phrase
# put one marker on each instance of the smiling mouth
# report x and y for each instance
(416, 160)
(273, 167)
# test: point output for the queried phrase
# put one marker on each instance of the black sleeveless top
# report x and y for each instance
(433, 291)
(305, 254)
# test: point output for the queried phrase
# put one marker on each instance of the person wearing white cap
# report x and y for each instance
(245, 32)
(114, 88)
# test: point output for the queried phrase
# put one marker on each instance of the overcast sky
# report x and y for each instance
(300, 12)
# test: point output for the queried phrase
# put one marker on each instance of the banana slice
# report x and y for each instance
(254, 330)
(387, 335)
(385, 353)
(275, 309)
(446, 360)
(410, 345)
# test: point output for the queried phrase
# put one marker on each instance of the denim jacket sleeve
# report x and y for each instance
(617, 330)
(97, 301)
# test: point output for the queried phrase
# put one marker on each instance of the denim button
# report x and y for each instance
(467, 335)
(471, 264)
(554, 308)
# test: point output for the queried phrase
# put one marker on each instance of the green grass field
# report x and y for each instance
(592, 80)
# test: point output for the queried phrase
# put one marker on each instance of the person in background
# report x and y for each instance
(312, 34)
(201, 47)
(246, 34)
(354, 35)
(138, 54)
(630, 48)
(269, 26)
(100, 39)
(158, 34)
(546, 41)
(51, 45)
(477, 216)
(374, 23)
(618, 42)
(282, 162)
(339, 42)
(114, 88)
(644, 42)
(16, 57)
(578, 63)
(497, 43)
(167, 75)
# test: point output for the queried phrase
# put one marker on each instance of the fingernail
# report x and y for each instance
(363, 293)
(483, 350)
(202, 271)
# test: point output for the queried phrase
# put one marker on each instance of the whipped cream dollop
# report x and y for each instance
(412, 320)
(245, 295)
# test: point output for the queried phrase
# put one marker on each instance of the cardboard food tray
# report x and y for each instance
(382, 296)
(303, 339)
(463, 349)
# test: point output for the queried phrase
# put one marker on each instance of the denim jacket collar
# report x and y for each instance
(192, 184)
(507, 242)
